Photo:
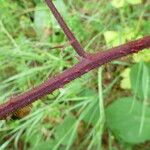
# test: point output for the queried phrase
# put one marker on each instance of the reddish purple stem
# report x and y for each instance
(76, 71)
(73, 41)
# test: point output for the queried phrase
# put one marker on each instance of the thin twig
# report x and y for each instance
(67, 76)
(73, 41)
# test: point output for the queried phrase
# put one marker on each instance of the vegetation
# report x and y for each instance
(104, 109)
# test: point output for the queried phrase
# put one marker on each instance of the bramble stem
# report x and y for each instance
(72, 39)
(68, 75)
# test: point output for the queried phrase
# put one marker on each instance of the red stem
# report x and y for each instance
(76, 71)
(73, 41)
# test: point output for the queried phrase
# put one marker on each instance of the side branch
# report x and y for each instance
(72, 39)
(76, 71)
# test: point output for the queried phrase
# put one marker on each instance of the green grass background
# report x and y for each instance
(73, 117)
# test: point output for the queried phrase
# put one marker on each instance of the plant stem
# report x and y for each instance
(72, 39)
(68, 75)
(101, 106)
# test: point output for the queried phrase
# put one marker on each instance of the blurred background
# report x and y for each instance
(106, 109)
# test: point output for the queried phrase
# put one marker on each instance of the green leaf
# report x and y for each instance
(125, 122)
(44, 145)
(37, 1)
(118, 3)
(116, 38)
(128, 34)
(64, 131)
(134, 2)
(41, 19)
(111, 37)
(74, 88)
(140, 79)
(142, 56)
(125, 82)
(121, 3)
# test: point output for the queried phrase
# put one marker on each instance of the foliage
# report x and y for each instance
(127, 122)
